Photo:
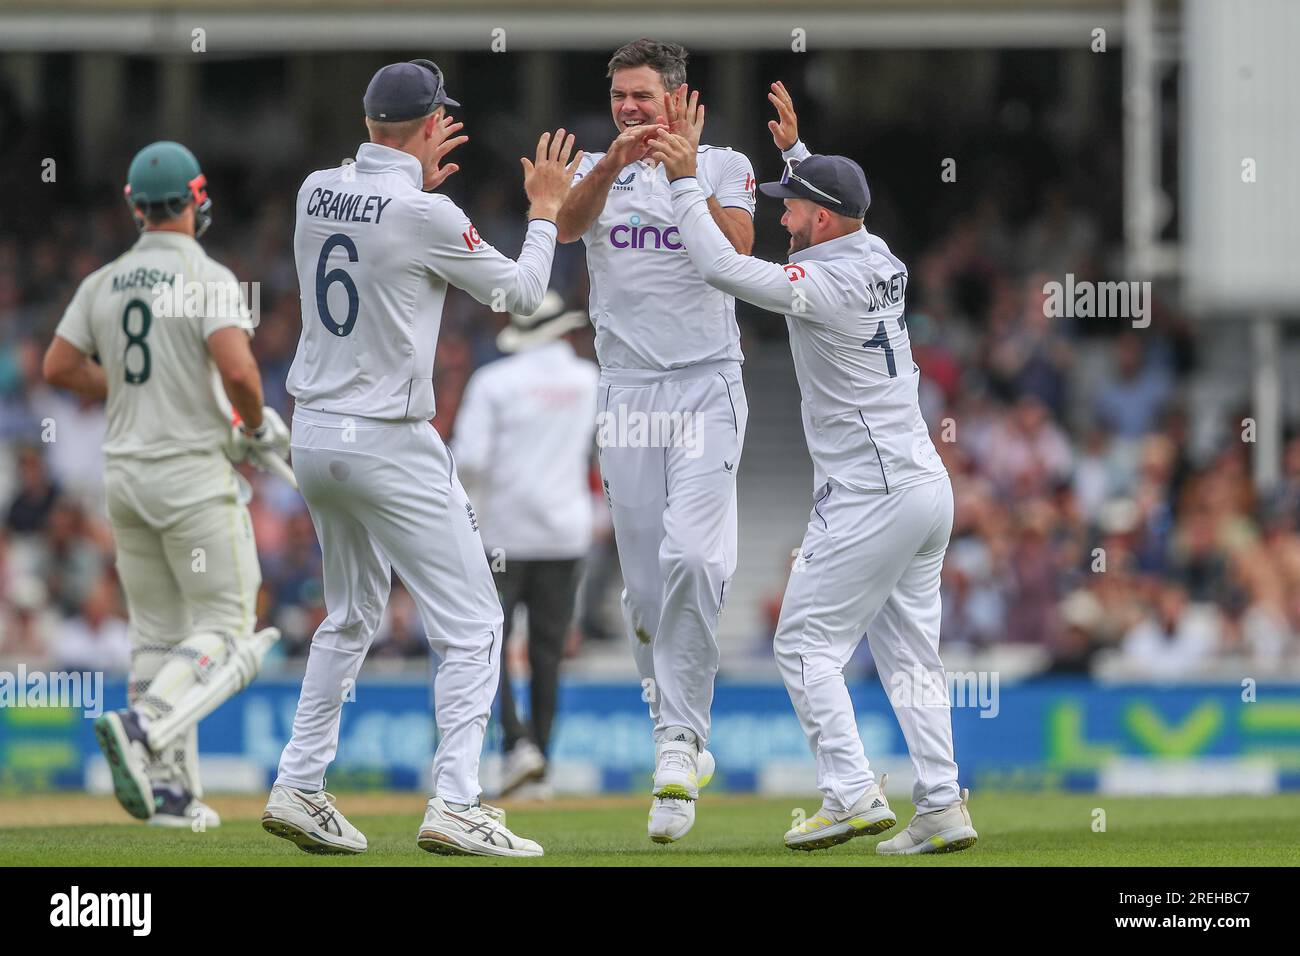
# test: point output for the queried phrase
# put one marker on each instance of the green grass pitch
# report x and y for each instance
(1016, 829)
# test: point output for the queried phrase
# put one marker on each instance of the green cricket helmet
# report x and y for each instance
(166, 176)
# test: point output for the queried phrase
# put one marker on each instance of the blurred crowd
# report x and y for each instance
(1085, 524)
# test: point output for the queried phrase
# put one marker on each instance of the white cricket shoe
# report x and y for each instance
(704, 769)
(122, 739)
(677, 765)
(311, 822)
(939, 831)
(671, 818)
(868, 816)
(172, 809)
(524, 764)
(680, 773)
(477, 831)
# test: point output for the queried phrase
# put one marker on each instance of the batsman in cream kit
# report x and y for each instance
(375, 254)
(184, 541)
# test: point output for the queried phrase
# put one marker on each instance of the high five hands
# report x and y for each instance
(675, 147)
(434, 173)
(549, 175)
(685, 114)
(785, 128)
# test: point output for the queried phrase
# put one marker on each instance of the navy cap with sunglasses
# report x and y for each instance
(835, 182)
(404, 91)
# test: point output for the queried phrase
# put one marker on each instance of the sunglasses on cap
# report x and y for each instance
(439, 95)
(790, 174)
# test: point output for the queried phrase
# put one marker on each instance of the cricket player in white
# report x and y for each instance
(162, 333)
(669, 353)
(873, 551)
(375, 256)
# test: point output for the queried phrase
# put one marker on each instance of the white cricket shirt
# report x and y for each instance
(522, 443)
(375, 254)
(148, 315)
(843, 304)
(650, 307)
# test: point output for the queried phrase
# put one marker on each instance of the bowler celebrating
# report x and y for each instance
(669, 349)
(375, 256)
(882, 511)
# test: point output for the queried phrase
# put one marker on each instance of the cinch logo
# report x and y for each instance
(633, 235)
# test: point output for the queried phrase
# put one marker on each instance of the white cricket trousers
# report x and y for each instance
(384, 497)
(871, 562)
(670, 446)
(187, 562)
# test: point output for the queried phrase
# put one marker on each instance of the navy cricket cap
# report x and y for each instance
(404, 91)
(835, 182)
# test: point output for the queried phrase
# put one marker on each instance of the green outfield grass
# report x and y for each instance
(1016, 829)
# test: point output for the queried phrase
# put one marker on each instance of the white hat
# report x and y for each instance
(548, 323)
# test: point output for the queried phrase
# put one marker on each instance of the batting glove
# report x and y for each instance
(270, 438)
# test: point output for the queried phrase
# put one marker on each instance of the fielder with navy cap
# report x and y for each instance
(883, 507)
(376, 254)
(406, 91)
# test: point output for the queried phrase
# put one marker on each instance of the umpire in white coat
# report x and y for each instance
(523, 443)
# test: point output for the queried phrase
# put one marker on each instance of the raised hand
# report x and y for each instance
(631, 145)
(675, 152)
(785, 129)
(685, 114)
(434, 174)
(547, 178)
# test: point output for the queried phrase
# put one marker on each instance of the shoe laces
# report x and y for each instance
(675, 760)
(486, 816)
(320, 795)
(325, 811)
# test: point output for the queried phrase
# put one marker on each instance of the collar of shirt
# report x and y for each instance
(853, 244)
(375, 158)
(164, 239)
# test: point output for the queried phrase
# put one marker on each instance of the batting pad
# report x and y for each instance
(197, 676)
